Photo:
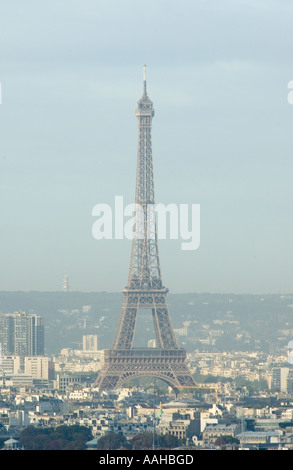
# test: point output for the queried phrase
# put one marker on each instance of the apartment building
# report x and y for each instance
(21, 334)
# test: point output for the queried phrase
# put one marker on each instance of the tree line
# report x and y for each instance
(75, 438)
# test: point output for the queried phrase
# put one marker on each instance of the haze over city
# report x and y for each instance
(217, 73)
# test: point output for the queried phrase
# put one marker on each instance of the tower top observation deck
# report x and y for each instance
(144, 104)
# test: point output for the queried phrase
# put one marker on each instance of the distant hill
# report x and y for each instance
(248, 322)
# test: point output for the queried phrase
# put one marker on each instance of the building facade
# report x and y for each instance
(21, 334)
(90, 343)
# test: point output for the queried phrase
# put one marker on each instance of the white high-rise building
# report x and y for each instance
(279, 378)
(90, 343)
(37, 367)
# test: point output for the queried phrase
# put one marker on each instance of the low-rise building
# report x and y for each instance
(178, 426)
(214, 431)
(260, 439)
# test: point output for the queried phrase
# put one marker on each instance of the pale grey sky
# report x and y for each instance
(71, 74)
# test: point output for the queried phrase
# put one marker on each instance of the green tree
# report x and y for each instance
(60, 438)
(142, 440)
(55, 444)
(112, 441)
(170, 441)
(225, 439)
(147, 440)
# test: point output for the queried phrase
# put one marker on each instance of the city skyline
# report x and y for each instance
(222, 138)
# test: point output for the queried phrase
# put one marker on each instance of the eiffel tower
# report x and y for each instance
(144, 289)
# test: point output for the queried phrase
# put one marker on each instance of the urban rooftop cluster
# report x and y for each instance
(242, 399)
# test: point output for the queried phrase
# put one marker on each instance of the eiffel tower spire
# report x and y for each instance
(144, 289)
(144, 80)
(144, 271)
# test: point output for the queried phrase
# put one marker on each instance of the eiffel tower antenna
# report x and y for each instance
(144, 289)
(144, 80)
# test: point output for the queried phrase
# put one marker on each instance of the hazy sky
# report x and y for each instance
(218, 73)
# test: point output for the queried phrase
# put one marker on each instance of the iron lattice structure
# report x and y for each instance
(144, 289)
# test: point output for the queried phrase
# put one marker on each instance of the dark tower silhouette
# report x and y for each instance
(144, 288)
